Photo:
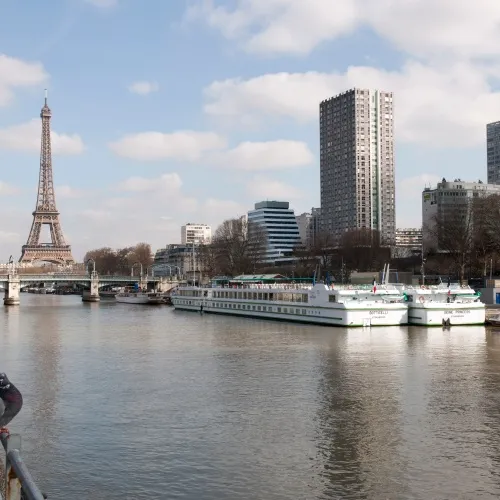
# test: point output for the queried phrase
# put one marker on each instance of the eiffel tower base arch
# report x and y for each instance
(54, 255)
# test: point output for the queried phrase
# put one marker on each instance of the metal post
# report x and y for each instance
(19, 483)
(422, 268)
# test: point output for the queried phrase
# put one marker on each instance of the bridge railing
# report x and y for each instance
(18, 484)
(77, 277)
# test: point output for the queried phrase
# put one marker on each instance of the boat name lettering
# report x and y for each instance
(379, 312)
(461, 311)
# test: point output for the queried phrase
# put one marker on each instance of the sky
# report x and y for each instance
(168, 112)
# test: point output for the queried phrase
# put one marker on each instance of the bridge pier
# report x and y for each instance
(92, 295)
(143, 283)
(12, 290)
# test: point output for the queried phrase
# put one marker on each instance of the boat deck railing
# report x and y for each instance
(17, 483)
(273, 286)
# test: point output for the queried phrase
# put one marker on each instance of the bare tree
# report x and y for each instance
(109, 261)
(105, 259)
(323, 249)
(141, 253)
(362, 250)
(208, 258)
(257, 244)
(454, 230)
(231, 242)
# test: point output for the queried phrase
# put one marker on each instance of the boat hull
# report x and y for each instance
(139, 300)
(452, 314)
(390, 315)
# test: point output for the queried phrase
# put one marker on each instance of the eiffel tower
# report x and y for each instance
(46, 212)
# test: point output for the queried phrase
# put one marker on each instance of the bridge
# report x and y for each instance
(12, 282)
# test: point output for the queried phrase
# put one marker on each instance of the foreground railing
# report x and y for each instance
(17, 483)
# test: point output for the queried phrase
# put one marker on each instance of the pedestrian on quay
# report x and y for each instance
(11, 402)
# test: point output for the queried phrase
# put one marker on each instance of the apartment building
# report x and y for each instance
(357, 163)
(196, 233)
(447, 202)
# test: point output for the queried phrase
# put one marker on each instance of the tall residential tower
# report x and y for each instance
(357, 163)
(493, 152)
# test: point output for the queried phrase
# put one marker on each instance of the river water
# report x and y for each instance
(137, 402)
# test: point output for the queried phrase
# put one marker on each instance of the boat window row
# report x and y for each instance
(248, 307)
(280, 297)
(189, 293)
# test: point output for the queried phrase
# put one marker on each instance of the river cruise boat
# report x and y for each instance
(352, 306)
(139, 297)
(444, 305)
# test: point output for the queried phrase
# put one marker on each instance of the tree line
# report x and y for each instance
(120, 261)
(238, 247)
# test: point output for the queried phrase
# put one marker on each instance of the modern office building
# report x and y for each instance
(196, 233)
(272, 225)
(447, 202)
(493, 152)
(309, 226)
(357, 163)
(304, 222)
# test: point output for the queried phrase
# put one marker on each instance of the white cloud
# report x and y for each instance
(423, 28)
(183, 145)
(272, 155)
(26, 137)
(409, 198)
(9, 237)
(143, 87)
(166, 182)
(411, 188)
(7, 189)
(104, 4)
(195, 146)
(440, 106)
(18, 73)
(217, 210)
(69, 192)
(262, 188)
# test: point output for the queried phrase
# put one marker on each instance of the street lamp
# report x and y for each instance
(87, 265)
(132, 269)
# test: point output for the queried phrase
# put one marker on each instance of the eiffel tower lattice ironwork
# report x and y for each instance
(46, 211)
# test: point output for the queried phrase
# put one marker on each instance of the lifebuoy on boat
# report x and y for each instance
(421, 299)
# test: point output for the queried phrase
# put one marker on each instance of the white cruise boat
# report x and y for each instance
(319, 304)
(444, 304)
(138, 297)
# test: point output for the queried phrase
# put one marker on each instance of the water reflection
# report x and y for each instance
(359, 425)
(9, 339)
(42, 378)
